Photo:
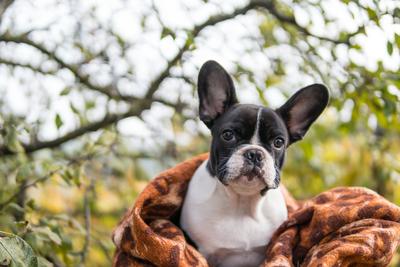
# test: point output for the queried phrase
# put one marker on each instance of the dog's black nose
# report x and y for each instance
(254, 155)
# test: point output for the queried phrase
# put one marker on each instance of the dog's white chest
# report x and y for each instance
(230, 230)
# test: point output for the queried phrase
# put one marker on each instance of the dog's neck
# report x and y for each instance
(227, 198)
(242, 205)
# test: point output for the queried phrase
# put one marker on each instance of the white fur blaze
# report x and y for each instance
(255, 140)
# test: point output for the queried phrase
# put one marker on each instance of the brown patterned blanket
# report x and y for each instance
(340, 227)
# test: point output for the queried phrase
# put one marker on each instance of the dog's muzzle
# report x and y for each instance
(253, 163)
(254, 156)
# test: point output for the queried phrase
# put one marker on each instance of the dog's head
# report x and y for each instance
(249, 141)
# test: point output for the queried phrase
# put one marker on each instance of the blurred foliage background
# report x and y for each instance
(96, 97)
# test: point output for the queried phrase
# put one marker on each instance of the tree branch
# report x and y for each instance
(270, 6)
(25, 186)
(136, 110)
(23, 39)
(28, 184)
(87, 212)
(144, 103)
(3, 7)
(120, 97)
(91, 127)
(26, 66)
(213, 20)
(109, 91)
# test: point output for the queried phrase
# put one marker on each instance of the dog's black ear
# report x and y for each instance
(216, 92)
(302, 109)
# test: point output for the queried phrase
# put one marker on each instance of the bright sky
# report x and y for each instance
(227, 42)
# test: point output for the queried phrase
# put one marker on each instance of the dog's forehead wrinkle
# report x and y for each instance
(255, 124)
(271, 126)
(241, 117)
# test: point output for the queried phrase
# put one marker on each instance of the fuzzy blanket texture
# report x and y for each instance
(345, 226)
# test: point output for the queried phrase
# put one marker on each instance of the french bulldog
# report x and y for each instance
(234, 202)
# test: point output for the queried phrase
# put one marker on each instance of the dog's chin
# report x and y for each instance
(251, 183)
(247, 184)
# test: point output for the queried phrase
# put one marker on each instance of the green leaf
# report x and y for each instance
(58, 121)
(107, 138)
(67, 176)
(120, 40)
(42, 262)
(356, 47)
(77, 176)
(372, 15)
(272, 80)
(90, 105)
(21, 227)
(31, 204)
(397, 39)
(389, 47)
(15, 252)
(66, 91)
(12, 141)
(15, 208)
(166, 32)
(50, 234)
(396, 12)
(361, 30)
(23, 172)
(74, 109)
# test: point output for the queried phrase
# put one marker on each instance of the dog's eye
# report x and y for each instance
(279, 142)
(227, 135)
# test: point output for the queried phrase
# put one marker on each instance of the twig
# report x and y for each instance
(26, 66)
(270, 6)
(25, 186)
(91, 127)
(86, 204)
(43, 178)
(141, 104)
(4, 5)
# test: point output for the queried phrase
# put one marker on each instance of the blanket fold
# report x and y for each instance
(341, 227)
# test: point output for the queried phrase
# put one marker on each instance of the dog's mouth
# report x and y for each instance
(252, 172)
(248, 173)
(248, 176)
(250, 179)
